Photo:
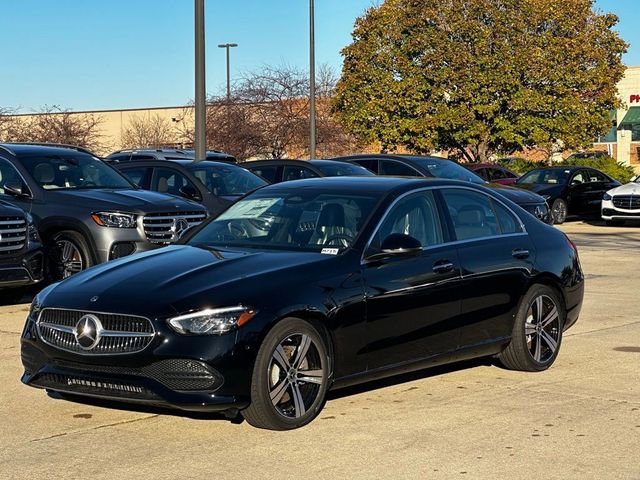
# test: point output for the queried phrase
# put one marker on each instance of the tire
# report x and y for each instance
(533, 348)
(559, 211)
(297, 399)
(68, 254)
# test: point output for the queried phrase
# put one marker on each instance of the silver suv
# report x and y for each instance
(86, 211)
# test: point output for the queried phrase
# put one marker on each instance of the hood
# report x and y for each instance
(143, 200)
(7, 208)
(518, 195)
(632, 188)
(173, 279)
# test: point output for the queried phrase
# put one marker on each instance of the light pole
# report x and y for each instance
(201, 89)
(312, 75)
(228, 46)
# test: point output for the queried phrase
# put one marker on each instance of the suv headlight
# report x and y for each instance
(115, 220)
(32, 230)
(607, 197)
(214, 321)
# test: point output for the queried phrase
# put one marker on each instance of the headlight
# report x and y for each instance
(212, 321)
(607, 197)
(32, 230)
(115, 220)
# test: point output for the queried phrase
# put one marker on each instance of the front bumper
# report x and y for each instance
(179, 372)
(22, 271)
(611, 212)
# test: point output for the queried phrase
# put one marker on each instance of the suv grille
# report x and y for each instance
(169, 227)
(628, 202)
(13, 234)
(115, 334)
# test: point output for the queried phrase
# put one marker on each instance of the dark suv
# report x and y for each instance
(216, 185)
(86, 211)
(21, 257)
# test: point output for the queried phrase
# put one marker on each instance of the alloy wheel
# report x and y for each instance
(542, 329)
(559, 212)
(70, 259)
(296, 375)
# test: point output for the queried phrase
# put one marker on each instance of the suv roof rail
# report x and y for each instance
(57, 145)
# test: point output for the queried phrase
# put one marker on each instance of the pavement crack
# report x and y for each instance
(601, 329)
(7, 332)
(97, 427)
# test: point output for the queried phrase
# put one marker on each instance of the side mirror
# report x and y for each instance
(398, 245)
(190, 193)
(15, 189)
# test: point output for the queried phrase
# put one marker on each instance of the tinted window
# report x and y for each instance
(549, 176)
(72, 171)
(415, 215)
(393, 168)
(472, 214)
(482, 172)
(301, 221)
(9, 176)
(369, 164)
(268, 172)
(331, 169)
(507, 222)
(498, 174)
(448, 169)
(297, 173)
(139, 176)
(226, 179)
(168, 180)
(595, 176)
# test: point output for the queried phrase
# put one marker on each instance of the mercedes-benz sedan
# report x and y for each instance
(305, 286)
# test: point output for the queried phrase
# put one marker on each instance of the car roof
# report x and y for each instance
(373, 184)
(42, 149)
(394, 156)
(171, 161)
(561, 167)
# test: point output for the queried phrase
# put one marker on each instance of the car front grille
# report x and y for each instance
(13, 234)
(117, 334)
(627, 202)
(169, 227)
(89, 386)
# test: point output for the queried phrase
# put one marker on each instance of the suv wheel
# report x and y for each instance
(69, 255)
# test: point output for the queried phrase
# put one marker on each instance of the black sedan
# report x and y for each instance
(569, 190)
(425, 166)
(285, 170)
(305, 286)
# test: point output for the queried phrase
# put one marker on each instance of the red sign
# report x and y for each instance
(634, 98)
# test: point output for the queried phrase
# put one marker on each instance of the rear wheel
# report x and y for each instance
(537, 331)
(69, 254)
(559, 211)
(290, 377)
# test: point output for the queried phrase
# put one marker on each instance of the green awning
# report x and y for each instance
(630, 119)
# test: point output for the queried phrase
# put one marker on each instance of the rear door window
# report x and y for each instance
(169, 180)
(141, 176)
(268, 172)
(297, 173)
(397, 169)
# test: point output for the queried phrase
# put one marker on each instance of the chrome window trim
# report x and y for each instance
(89, 354)
(450, 243)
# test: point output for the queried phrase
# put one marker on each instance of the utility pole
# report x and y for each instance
(312, 74)
(228, 47)
(201, 89)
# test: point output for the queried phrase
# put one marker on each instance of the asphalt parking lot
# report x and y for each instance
(580, 419)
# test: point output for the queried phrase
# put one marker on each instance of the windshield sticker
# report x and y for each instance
(330, 251)
(249, 209)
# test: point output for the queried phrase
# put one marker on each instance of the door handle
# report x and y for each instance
(520, 253)
(442, 266)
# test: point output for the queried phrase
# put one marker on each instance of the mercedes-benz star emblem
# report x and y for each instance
(87, 332)
(180, 226)
(539, 212)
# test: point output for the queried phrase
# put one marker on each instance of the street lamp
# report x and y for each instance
(201, 89)
(228, 46)
(312, 75)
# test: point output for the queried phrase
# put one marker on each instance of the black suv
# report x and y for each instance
(214, 184)
(86, 211)
(285, 170)
(21, 257)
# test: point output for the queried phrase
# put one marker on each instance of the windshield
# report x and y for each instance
(546, 176)
(72, 171)
(342, 170)
(297, 221)
(227, 179)
(450, 170)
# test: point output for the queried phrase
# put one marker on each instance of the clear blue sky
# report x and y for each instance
(92, 54)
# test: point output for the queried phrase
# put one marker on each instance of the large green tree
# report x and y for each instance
(480, 77)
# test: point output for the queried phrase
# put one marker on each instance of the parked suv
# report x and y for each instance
(169, 154)
(21, 257)
(86, 211)
(214, 184)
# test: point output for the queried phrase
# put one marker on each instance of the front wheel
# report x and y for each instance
(290, 377)
(537, 331)
(559, 211)
(69, 254)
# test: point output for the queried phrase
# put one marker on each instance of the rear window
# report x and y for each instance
(227, 179)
